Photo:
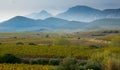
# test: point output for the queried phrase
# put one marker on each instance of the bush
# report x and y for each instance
(93, 46)
(54, 62)
(68, 64)
(19, 43)
(43, 61)
(0, 43)
(32, 43)
(33, 62)
(9, 58)
(94, 66)
(81, 65)
(40, 61)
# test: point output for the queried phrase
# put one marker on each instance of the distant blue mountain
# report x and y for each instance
(70, 20)
(87, 14)
(20, 23)
(41, 15)
(102, 24)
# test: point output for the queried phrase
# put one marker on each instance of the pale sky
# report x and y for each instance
(10, 8)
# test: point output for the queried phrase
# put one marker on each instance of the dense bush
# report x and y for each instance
(32, 43)
(33, 62)
(54, 61)
(93, 46)
(19, 43)
(68, 64)
(40, 61)
(9, 58)
(93, 65)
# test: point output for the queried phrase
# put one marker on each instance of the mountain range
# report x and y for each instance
(88, 14)
(78, 18)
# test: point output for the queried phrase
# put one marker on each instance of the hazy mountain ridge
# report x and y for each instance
(102, 19)
(40, 15)
(87, 14)
(20, 23)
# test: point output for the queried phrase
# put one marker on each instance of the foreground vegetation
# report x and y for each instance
(77, 51)
(25, 67)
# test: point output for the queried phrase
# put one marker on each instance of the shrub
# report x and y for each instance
(93, 46)
(68, 64)
(94, 66)
(39, 61)
(19, 43)
(0, 43)
(33, 62)
(32, 43)
(54, 61)
(82, 63)
(9, 58)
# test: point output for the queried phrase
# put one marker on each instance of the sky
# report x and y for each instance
(11, 8)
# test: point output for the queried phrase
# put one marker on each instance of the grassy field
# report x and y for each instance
(25, 67)
(83, 46)
(53, 51)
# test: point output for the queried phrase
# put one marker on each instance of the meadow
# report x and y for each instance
(100, 46)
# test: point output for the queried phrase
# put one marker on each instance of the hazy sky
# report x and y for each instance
(10, 8)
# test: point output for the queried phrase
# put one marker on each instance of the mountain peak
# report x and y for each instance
(81, 8)
(43, 11)
(20, 18)
(40, 15)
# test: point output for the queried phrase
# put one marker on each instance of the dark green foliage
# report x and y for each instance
(68, 64)
(93, 46)
(54, 61)
(19, 43)
(93, 65)
(32, 43)
(9, 58)
(82, 63)
(40, 61)
(0, 43)
(43, 61)
(33, 62)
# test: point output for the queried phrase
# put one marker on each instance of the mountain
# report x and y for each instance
(20, 23)
(41, 15)
(108, 23)
(80, 13)
(57, 23)
(88, 14)
(111, 13)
